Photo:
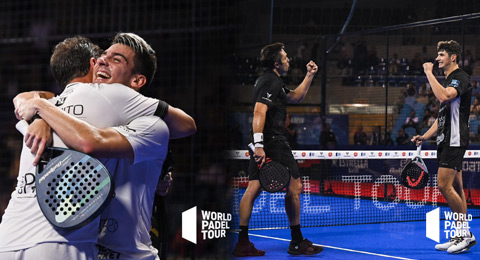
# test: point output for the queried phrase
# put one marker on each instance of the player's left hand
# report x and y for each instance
(26, 110)
(312, 68)
(37, 138)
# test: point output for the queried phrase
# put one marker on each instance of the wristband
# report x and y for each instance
(258, 145)
(36, 116)
(257, 138)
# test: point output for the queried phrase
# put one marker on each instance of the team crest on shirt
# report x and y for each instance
(454, 83)
(268, 97)
(60, 101)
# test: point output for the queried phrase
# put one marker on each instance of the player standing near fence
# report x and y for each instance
(451, 127)
(270, 109)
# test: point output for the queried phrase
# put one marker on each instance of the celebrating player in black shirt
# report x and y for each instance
(451, 127)
(270, 108)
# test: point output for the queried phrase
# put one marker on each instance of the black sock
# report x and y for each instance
(296, 233)
(243, 235)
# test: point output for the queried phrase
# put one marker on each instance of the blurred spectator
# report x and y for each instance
(432, 103)
(426, 117)
(475, 108)
(469, 61)
(290, 132)
(388, 139)
(412, 121)
(411, 91)
(411, 94)
(360, 57)
(475, 88)
(360, 137)
(372, 58)
(476, 138)
(422, 92)
(416, 65)
(298, 64)
(394, 64)
(376, 138)
(327, 140)
(402, 137)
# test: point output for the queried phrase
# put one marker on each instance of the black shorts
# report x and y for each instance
(450, 157)
(278, 151)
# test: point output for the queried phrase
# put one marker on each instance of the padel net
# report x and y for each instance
(353, 187)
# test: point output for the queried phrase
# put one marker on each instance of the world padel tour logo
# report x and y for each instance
(213, 224)
(455, 225)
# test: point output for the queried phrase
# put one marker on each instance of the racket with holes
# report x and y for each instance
(273, 175)
(72, 187)
(415, 173)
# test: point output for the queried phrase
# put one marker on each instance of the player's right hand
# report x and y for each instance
(418, 139)
(427, 67)
(259, 155)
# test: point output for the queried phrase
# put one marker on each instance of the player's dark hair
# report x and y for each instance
(271, 54)
(145, 61)
(450, 47)
(71, 59)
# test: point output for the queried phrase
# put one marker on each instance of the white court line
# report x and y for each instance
(338, 248)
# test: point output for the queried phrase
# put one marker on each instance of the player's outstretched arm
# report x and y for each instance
(297, 95)
(76, 133)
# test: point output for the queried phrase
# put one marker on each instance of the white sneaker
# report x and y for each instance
(462, 244)
(446, 245)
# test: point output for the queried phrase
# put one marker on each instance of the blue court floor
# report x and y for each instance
(401, 240)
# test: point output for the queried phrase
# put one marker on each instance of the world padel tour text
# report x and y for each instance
(215, 224)
(456, 224)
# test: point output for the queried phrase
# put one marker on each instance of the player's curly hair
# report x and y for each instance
(71, 59)
(271, 54)
(145, 61)
(451, 47)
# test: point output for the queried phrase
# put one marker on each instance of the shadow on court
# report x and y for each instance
(401, 240)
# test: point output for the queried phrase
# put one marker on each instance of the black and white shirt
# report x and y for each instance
(269, 89)
(453, 115)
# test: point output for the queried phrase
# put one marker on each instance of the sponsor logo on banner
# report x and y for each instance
(304, 154)
(295, 154)
(363, 154)
(213, 224)
(426, 153)
(330, 154)
(475, 153)
(387, 154)
(371, 154)
(469, 153)
(338, 154)
(403, 154)
(355, 154)
(347, 154)
(455, 224)
(321, 155)
(379, 154)
(410, 154)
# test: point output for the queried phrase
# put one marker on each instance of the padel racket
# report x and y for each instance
(273, 175)
(72, 187)
(415, 173)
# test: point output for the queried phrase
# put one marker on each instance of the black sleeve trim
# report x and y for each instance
(162, 109)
